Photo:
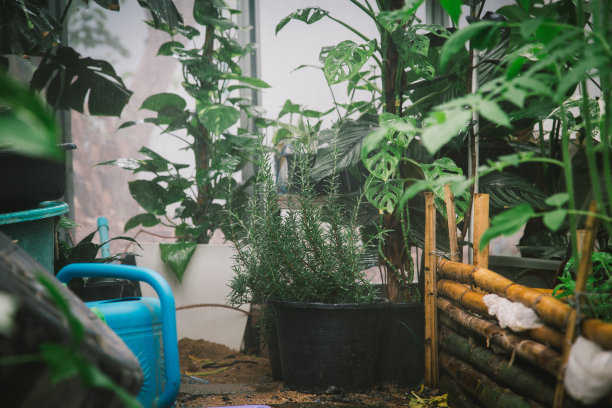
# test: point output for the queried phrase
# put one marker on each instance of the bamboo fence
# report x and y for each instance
(480, 363)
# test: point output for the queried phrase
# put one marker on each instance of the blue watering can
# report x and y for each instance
(146, 325)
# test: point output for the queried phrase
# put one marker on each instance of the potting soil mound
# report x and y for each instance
(213, 375)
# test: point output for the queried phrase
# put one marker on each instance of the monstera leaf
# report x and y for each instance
(69, 80)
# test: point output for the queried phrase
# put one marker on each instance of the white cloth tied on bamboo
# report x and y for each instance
(513, 315)
(588, 374)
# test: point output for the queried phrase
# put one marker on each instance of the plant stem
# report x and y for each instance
(569, 180)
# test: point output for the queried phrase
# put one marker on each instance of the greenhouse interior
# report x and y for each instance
(300, 204)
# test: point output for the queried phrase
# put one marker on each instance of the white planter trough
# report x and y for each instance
(206, 280)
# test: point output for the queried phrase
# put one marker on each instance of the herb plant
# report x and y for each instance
(193, 203)
(309, 252)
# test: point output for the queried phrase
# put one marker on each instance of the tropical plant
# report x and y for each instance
(554, 51)
(31, 28)
(308, 252)
(193, 203)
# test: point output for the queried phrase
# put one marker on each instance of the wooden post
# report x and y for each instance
(584, 267)
(431, 321)
(449, 199)
(481, 223)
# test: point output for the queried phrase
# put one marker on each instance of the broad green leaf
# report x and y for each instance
(525, 4)
(383, 162)
(554, 219)
(372, 142)
(345, 60)
(256, 82)
(151, 196)
(70, 80)
(453, 8)
(289, 108)
(26, 124)
(442, 127)
(507, 223)
(177, 256)
(557, 200)
(308, 15)
(384, 195)
(161, 100)
(145, 219)
(218, 118)
(168, 48)
(391, 20)
(457, 41)
(491, 110)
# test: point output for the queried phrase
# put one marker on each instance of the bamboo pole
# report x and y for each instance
(534, 352)
(487, 392)
(551, 310)
(431, 321)
(584, 267)
(451, 217)
(520, 380)
(456, 397)
(481, 224)
(473, 301)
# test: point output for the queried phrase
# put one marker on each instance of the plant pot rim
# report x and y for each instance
(335, 306)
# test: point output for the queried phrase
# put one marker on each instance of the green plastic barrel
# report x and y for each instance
(33, 230)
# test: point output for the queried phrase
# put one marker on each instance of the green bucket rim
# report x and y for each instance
(46, 209)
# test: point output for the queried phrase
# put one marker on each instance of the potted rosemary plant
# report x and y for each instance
(302, 263)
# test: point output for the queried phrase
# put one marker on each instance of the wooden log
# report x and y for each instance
(584, 267)
(456, 397)
(39, 320)
(451, 216)
(431, 321)
(481, 224)
(486, 391)
(472, 301)
(518, 379)
(529, 350)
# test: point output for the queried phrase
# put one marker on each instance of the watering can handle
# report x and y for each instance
(98, 270)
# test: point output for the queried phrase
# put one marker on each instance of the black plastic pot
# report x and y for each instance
(401, 346)
(26, 181)
(328, 344)
(94, 289)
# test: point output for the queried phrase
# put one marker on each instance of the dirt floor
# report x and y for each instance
(214, 375)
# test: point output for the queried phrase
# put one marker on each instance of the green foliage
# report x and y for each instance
(84, 251)
(26, 125)
(213, 79)
(30, 28)
(596, 302)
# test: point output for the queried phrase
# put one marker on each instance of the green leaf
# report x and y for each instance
(554, 219)
(256, 82)
(491, 110)
(26, 124)
(384, 161)
(145, 219)
(391, 20)
(149, 195)
(384, 195)
(345, 60)
(217, 118)
(557, 200)
(161, 100)
(442, 127)
(308, 15)
(453, 8)
(69, 80)
(507, 223)
(457, 41)
(177, 256)
(60, 361)
(168, 48)
(525, 4)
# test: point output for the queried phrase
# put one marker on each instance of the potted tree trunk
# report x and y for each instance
(303, 264)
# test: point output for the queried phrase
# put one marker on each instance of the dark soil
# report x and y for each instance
(235, 378)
